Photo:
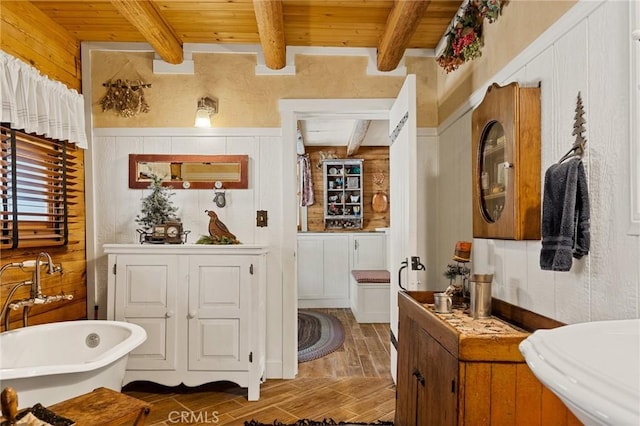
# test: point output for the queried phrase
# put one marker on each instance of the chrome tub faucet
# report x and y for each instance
(36, 295)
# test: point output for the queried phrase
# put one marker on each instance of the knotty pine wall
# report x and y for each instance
(27, 34)
(376, 158)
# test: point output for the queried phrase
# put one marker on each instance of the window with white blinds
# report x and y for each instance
(37, 186)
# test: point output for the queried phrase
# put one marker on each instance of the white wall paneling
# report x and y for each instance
(585, 51)
(427, 193)
(116, 206)
(453, 198)
(634, 157)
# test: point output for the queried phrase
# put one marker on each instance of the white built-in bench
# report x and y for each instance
(370, 295)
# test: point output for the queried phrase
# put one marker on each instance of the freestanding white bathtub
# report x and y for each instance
(49, 363)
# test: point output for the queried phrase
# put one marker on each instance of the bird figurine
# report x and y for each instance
(218, 230)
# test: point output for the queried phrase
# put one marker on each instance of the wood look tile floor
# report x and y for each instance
(351, 384)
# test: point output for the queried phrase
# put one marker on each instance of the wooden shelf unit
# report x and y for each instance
(343, 194)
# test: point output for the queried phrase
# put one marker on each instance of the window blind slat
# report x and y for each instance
(35, 190)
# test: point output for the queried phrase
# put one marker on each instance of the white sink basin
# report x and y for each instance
(593, 367)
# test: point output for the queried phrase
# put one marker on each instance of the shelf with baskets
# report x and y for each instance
(342, 183)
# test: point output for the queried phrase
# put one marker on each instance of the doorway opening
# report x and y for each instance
(293, 111)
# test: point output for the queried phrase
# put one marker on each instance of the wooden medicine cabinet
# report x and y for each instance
(189, 171)
(506, 163)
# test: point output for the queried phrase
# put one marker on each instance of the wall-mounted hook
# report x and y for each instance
(219, 198)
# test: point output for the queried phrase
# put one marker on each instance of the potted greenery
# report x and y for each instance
(157, 208)
(456, 289)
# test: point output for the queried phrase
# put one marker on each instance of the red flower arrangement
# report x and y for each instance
(464, 39)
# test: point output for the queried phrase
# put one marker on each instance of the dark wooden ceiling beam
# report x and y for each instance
(270, 21)
(143, 15)
(402, 22)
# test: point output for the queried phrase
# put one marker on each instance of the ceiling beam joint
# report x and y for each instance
(270, 19)
(402, 22)
(148, 20)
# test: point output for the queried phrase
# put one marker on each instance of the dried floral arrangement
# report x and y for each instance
(464, 39)
(126, 97)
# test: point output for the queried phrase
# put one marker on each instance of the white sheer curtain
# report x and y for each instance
(33, 102)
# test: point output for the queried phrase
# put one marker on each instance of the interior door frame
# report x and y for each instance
(292, 110)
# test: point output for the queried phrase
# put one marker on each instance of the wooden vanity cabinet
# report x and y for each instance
(450, 375)
(424, 370)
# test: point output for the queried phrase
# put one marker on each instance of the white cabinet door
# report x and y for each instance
(323, 270)
(146, 288)
(369, 251)
(336, 267)
(219, 312)
(310, 267)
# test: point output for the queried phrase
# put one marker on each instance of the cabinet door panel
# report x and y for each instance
(219, 312)
(148, 298)
(146, 289)
(438, 404)
(406, 385)
(310, 268)
(152, 354)
(220, 345)
(336, 267)
(369, 252)
(219, 287)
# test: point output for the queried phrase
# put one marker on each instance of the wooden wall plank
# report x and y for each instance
(477, 407)
(553, 410)
(376, 158)
(528, 397)
(73, 260)
(30, 35)
(503, 393)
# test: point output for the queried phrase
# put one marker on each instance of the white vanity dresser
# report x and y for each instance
(203, 307)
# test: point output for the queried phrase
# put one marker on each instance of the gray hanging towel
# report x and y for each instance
(565, 216)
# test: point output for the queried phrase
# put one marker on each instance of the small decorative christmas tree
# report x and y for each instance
(157, 207)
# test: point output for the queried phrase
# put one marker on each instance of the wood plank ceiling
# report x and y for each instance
(387, 25)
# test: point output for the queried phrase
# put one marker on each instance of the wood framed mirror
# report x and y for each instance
(189, 171)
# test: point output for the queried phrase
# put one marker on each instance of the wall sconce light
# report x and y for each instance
(206, 108)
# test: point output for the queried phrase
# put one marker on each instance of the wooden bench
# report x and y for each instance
(104, 407)
(369, 296)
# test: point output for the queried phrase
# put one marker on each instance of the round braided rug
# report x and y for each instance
(319, 334)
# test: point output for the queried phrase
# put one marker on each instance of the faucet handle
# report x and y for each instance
(29, 264)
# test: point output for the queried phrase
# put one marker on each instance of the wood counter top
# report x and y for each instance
(486, 339)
